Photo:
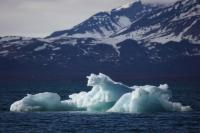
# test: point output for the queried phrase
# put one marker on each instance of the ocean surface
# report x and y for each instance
(185, 91)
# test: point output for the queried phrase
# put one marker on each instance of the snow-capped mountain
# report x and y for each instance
(135, 40)
(104, 24)
(141, 22)
(173, 23)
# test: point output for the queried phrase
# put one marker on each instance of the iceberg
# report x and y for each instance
(146, 99)
(106, 95)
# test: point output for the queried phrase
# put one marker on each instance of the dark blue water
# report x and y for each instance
(64, 122)
(187, 93)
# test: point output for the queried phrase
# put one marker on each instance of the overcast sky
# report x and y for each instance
(39, 18)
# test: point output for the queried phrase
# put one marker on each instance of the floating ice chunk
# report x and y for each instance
(40, 102)
(106, 95)
(105, 92)
(146, 99)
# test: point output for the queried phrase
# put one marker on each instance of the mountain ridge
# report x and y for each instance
(138, 48)
(108, 20)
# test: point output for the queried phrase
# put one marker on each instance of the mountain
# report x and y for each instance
(133, 41)
(104, 24)
(173, 23)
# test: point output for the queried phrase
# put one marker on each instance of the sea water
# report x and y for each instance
(187, 93)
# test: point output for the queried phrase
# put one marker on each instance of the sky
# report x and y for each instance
(39, 18)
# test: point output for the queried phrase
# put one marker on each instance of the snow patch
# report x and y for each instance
(43, 47)
(4, 52)
(57, 48)
(125, 6)
(124, 21)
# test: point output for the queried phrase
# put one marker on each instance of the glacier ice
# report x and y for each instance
(106, 95)
(105, 92)
(38, 102)
(146, 99)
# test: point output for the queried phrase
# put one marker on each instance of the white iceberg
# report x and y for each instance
(106, 95)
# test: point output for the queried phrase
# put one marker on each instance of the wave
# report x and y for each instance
(106, 95)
